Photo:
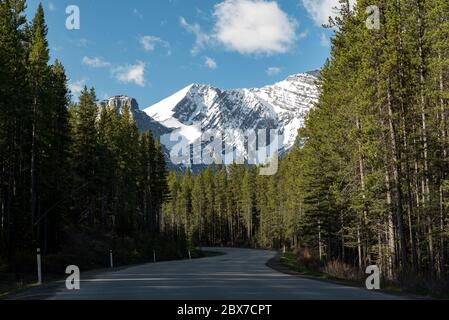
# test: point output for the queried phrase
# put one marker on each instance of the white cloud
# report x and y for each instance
(137, 13)
(210, 63)
(272, 71)
(149, 43)
(247, 27)
(96, 62)
(201, 38)
(131, 73)
(77, 86)
(303, 34)
(82, 43)
(254, 27)
(51, 6)
(324, 40)
(321, 10)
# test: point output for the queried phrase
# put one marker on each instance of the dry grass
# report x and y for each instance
(306, 263)
(340, 270)
(307, 260)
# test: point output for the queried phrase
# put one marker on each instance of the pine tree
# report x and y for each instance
(170, 218)
(248, 202)
(14, 124)
(106, 128)
(38, 73)
(159, 183)
(211, 218)
(436, 37)
(199, 224)
(84, 156)
(184, 203)
(221, 185)
(55, 166)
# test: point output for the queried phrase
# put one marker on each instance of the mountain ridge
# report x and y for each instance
(283, 105)
(199, 108)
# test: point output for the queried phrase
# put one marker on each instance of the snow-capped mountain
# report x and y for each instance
(291, 100)
(199, 108)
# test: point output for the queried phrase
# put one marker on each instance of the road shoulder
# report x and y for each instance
(276, 264)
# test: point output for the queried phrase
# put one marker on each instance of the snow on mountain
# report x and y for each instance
(163, 110)
(291, 99)
(196, 109)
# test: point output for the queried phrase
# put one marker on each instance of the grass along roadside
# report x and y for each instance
(11, 283)
(289, 263)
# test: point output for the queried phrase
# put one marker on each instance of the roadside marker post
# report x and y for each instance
(39, 267)
(111, 259)
(154, 256)
(190, 255)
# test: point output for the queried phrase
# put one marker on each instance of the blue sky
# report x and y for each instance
(151, 49)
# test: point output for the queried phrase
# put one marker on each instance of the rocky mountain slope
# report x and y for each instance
(198, 109)
(143, 121)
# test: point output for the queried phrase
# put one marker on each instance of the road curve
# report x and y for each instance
(240, 274)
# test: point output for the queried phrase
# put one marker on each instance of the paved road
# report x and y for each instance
(240, 274)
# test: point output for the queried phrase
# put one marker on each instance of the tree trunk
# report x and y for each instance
(33, 172)
(444, 169)
(390, 229)
(396, 155)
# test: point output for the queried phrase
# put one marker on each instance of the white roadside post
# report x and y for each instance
(190, 255)
(111, 259)
(39, 267)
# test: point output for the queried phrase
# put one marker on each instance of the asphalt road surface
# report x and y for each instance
(240, 274)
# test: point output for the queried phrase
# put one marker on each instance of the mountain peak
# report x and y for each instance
(143, 121)
(314, 73)
(163, 110)
(198, 108)
(119, 102)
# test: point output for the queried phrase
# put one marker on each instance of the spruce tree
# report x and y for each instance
(84, 156)
(14, 129)
(38, 77)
